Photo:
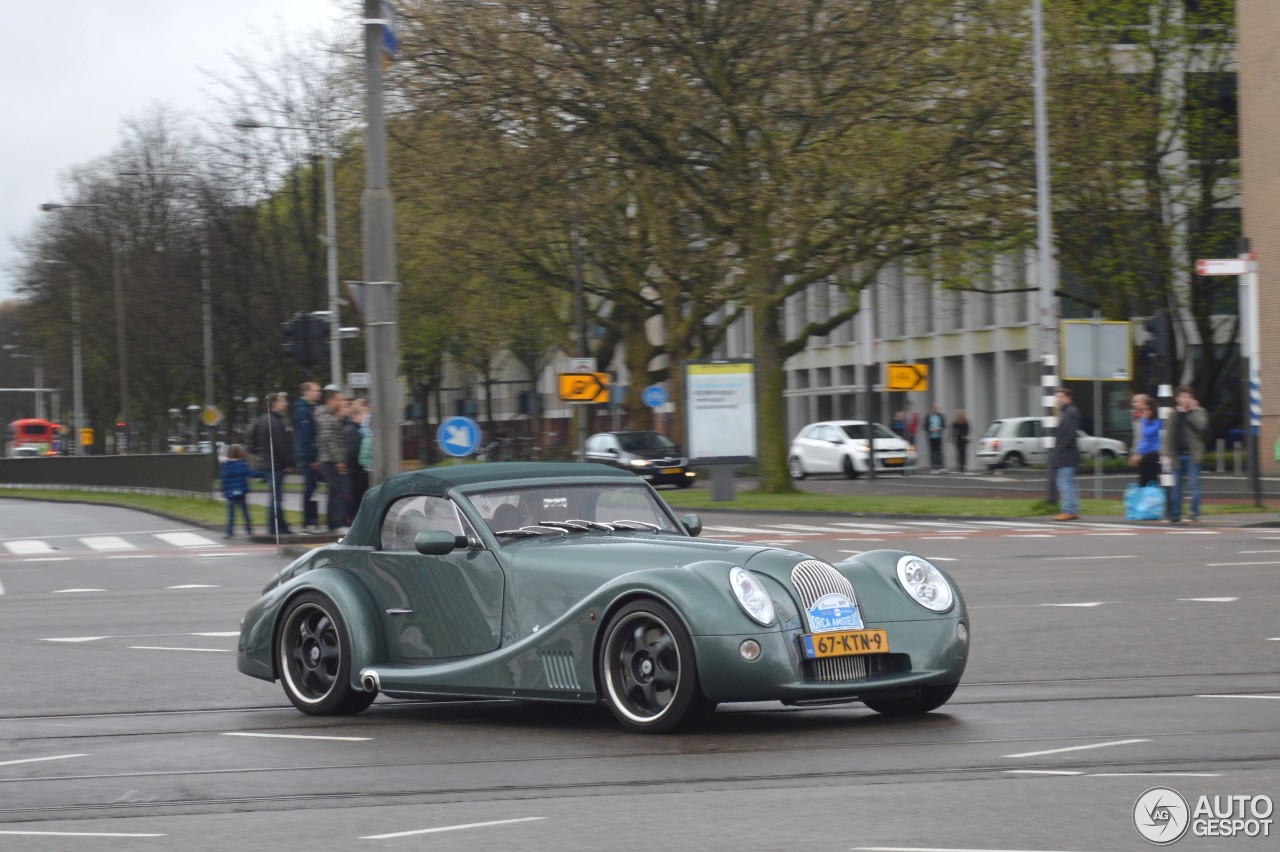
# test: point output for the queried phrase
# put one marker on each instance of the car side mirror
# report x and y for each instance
(692, 523)
(611, 451)
(435, 542)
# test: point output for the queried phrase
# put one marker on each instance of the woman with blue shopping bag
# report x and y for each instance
(1145, 500)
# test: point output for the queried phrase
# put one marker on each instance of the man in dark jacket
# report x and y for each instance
(273, 450)
(331, 449)
(1064, 458)
(304, 451)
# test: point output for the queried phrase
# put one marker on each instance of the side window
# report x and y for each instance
(411, 515)
(1027, 429)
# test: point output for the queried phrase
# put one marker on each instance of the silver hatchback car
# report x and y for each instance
(1019, 441)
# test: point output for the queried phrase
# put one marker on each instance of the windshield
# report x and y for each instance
(514, 508)
(859, 430)
(638, 442)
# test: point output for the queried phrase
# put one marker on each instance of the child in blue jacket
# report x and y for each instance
(235, 473)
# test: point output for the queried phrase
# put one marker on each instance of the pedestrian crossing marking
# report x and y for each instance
(107, 542)
(187, 539)
(26, 547)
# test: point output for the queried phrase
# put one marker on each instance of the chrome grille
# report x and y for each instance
(813, 579)
(559, 669)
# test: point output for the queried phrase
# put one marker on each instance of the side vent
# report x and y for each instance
(560, 671)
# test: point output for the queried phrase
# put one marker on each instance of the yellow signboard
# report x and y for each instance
(584, 387)
(906, 377)
(86, 437)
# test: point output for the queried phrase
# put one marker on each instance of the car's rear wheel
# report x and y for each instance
(685, 483)
(1014, 460)
(929, 698)
(796, 468)
(1108, 455)
(850, 471)
(314, 655)
(647, 670)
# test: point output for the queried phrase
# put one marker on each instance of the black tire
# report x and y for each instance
(796, 468)
(313, 653)
(647, 673)
(850, 471)
(929, 698)
(1108, 455)
(1014, 460)
(685, 483)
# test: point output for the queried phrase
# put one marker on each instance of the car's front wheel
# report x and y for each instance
(1014, 460)
(929, 698)
(850, 470)
(647, 670)
(314, 655)
(796, 468)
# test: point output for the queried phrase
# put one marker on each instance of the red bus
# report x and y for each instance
(42, 435)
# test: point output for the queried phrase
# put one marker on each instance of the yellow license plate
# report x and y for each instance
(671, 470)
(845, 643)
(891, 462)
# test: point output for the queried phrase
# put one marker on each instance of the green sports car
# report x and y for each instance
(576, 582)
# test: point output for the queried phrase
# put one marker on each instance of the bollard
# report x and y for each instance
(1236, 465)
(1222, 455)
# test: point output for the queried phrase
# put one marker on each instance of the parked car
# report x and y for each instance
(1018, 441)
(576, 583)
(840, 446)
(650, 455)
(25, 453)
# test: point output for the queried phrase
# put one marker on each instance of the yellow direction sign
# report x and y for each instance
(584, 387)
(907, 377)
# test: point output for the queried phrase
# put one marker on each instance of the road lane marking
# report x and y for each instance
(73, 834)
(1209, 600)
(1077, 748)
(76, 639)
(1112, 534)
(1087, 604)
(48, 559)
(107, 542)
(217, 635)
(1257, 551)
(1236, 564)
(1030, 535)
(449, 828)
(940, 558)
(187, 539)
(192, 586)
(40, 759)
(1, 588)
(1043, 772)
(295, 737)
(1072, 558)
(28, 546)
(1271, 697)
(160, 648)
(939, 849)
(1155, 774)
(944, 538)
(135, 556)
(72, 591)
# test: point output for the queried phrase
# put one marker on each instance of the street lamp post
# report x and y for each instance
(331, 246)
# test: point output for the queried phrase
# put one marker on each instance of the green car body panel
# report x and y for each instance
(523, 617)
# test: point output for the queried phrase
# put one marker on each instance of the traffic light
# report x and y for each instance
(307, 339)
(1158, 328)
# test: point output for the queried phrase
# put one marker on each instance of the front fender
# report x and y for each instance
(257, 655)
(874, 576)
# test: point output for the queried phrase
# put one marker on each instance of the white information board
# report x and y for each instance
(720, 410)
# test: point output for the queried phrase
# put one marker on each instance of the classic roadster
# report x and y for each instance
(576, 582)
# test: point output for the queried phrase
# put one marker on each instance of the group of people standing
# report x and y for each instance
(330, 444)
(906, 425)
(1176, 445)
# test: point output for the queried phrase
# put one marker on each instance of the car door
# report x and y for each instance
(827, 449)
(1029, 435)
(434, 607)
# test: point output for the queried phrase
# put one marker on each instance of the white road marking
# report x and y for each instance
(187, 539)
(1042, 772)
(73, 834)
(192, 586)
(1271, 697)
(449, 828)
(939, 849)
(48, 559)
(1, 588)
(944, 538)
(107, 542)
(1258, 551)
(217, 635)
(1076, 748)
(40, 759)
(73, 591)
(854, 552)
(1236, 564)
(1155, 774)
(158, 648)
(26, 546)
(1192, 532)
(798, 529)
(940, 558)
(748, 530)
(134, 556)
(295, 737)
(1071, 558)
(1209, 600)
(75, 639)
(1274, 639)
(1030, 535)
(1097, 534)
(858, 525)
(1089, 604)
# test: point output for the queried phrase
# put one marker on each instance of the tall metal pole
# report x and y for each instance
(1044, 234)
(122, 349)
(77, 418)
(382, 289)
(206, 301)
(331, 249)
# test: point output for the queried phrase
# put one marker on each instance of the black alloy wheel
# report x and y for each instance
(314, 658)
(647, 670)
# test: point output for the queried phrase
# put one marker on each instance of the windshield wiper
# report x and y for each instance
(576, 525)
(636, 525)
(533, 530)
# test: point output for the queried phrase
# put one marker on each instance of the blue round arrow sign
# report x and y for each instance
(458, 436)
(654, 396)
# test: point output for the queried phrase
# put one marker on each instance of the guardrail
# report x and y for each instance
(193, 473)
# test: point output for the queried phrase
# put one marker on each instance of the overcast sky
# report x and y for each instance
(73, 72)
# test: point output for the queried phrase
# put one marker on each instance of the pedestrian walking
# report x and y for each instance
(331, 451)
(1182, 449)
(1146, 439)
(273, 449)
(913, 422)
(357, 476)
(234, 474)
(1065, 456)
(898, 425)
(960, 437)
(936, 426)
(304, 451)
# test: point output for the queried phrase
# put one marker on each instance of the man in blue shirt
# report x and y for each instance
(304, 451)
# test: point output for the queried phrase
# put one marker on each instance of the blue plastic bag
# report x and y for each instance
(1143, 503)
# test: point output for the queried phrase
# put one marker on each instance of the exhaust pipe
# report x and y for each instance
(369, 680)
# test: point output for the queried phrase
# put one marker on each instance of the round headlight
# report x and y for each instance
(925, 584)
(751, 595)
